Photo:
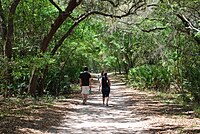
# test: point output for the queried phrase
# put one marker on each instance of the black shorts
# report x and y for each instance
(106, 91)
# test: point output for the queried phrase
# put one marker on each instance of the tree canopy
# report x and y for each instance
(44, 44)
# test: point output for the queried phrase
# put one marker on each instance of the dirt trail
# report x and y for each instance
(129, 112)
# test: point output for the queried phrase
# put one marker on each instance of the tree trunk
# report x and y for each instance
(4, 29)
(8, 36)
(119, 66)
(127, 65)
(44, 45)
(41, 83)
(33, 83)
(126, 69)
(8, 81)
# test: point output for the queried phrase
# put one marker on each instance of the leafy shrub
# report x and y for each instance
(150, 76)
(192, 82)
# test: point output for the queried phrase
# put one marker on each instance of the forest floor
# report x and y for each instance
(129, 112)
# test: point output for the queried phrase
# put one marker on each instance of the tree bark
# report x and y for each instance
(41, 83)
(33, 82)
(8, 39)
(119, 66)
(58, 22)
(10, 32)
(4, 28)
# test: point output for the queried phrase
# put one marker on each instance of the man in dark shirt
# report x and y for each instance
(85, 84)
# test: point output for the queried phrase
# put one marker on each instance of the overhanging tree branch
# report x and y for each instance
(137, 6)
(71, 6)
(111, 15)
(53, 3)
(112, 3)
(153, 29)
(80, 19)
(59, 9)
(152, 5)
(58, 22)
(187, 23)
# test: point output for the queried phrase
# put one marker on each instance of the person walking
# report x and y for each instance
(105, 83)
(85, 84)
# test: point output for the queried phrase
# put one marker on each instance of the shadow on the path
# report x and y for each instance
(36, 117)
(147, 105)
(128, 112)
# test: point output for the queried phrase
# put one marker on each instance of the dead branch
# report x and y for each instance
(187, 23)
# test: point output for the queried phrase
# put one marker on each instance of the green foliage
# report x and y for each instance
(150, 76)
(192, 81)
(198, 35)
(2, 71)
(160, 54)
(110, 62)
(37, 18)
(197, 110)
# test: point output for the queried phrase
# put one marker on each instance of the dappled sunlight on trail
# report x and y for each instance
(129, 111)
(97, 118)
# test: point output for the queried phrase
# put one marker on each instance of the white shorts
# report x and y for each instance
(85, 90)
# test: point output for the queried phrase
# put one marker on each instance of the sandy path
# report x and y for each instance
(129, 112)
